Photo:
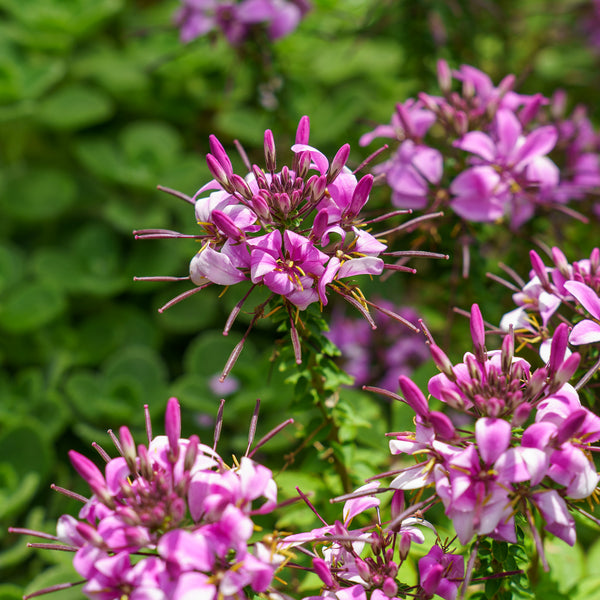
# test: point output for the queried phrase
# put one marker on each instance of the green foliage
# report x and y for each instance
(99, 104)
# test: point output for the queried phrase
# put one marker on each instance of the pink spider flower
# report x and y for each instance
(518, 161)
(237, 19)
(441, 573)
(298, 231)
(362, 563)
(175, 503)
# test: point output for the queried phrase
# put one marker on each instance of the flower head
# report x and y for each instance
(237, 19)
(175, 503)
(298, 231)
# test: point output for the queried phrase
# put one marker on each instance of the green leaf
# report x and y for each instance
(27, 447)
(37, 194)
(567, 565)
(8, 591)
(25, 77)
(74, 107)
(15, 500)
(30, 306)
(11, 266)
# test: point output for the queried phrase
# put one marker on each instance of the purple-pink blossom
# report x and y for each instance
(237, 18)
(177, 505)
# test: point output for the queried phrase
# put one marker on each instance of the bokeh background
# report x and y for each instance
(100, 102)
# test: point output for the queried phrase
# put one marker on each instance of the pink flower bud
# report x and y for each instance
(521, 414)
(565, 371)
(397, 504)
(173, 427)
(413, 396)
(128, 447)
(442, 362)
(442, 425)
(561, 262)
(220, 155)
(594, 261)
(303, 131)
(444, 75)
(540, 270)
(571, 425)
(217, 171)
(302, 163)
(390, 587)
(404, 545)
(508, 351)
(338, 162)
(478, 333)
(87, 469)
(558, 348)
(226, 225)
(261, 208)
(360, 195)
(240, 186)
(191, 452)
(322, 570)
(270, 151)
(89, 534)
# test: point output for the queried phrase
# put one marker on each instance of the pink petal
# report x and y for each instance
(586, 296)
(493, 438)
(478, 143)
(585, 332)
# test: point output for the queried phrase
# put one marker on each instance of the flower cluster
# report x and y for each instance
(236, 19)
(366, 562)
(571, 286)
(170, 521)
(378, 356)
(485, 152)
(519, 440)
(297, 231)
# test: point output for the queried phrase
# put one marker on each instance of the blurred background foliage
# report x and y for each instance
(100, 103)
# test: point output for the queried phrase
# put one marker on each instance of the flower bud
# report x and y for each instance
(363, 569)
(397, 504)
(321, 568)
(240, 186)
(89, 534)
(442, 425)
(558, 348)
(360, 195)
(302, 164)
(565, 372)
(478, 333)
(508, 351)
(521, 414)
(338, 162)
(270, 151)
(191, 452)
(594, 261)
(173, 427)
(220, 175)
(128, 448)
(404, 545)
(444, 76)
(442, 362)
(413, 396)
(303, 131)
(227, 225)
(540, 270)
(390, 587)
(561, 262)
(261, 208)
(220, 155)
